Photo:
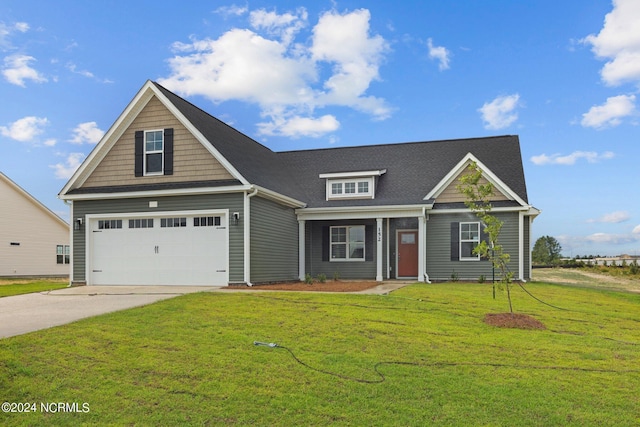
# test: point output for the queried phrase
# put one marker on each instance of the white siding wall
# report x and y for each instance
(25, 221)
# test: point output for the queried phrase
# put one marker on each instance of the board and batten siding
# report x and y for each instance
(439, 263)
(274, 241)
(232, 201)
(317, 259)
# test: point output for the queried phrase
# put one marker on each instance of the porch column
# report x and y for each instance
(379, 250)
(422, 247)
(301, 249)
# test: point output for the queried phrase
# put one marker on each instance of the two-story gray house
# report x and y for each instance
(173, 196)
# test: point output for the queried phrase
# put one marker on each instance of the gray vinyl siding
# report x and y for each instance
(439, 264)
(344, 269)
(234, 202)
(274, 241)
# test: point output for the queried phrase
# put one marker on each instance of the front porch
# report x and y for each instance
(352, 245)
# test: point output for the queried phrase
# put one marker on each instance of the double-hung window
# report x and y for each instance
(469, 239)
(347, 243)
(153, 152)
(63, 254)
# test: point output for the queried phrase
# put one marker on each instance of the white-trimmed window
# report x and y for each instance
(347, 243)
(469, 239)
(154, 152)
(353, 188)
(352, 185)
(63, 254)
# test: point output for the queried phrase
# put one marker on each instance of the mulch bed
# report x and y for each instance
(513, 320)
(328, 286)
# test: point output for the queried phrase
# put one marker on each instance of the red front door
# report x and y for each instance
(408, 253)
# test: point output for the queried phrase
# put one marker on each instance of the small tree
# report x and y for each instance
(546, 251)
(478, 197)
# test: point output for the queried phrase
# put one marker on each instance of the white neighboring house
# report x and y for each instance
(34, 241)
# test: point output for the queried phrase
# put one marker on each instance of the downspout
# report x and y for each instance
(426, 218)
(247, 235)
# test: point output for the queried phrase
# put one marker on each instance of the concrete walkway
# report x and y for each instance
(21, 314)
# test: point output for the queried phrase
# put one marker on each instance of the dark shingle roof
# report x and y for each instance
(412, 169)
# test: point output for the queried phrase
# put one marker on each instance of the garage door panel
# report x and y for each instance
(183, 254)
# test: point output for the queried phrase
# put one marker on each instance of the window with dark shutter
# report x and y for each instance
(154, 152)
(168, 151)
(455, 241)
(139, 153)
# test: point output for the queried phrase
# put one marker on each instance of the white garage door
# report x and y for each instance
(169, 249)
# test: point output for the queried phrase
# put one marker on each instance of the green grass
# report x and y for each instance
(30, 287)
(191, 361)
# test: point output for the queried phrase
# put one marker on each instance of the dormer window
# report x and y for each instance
(351, 188)
(351, 185)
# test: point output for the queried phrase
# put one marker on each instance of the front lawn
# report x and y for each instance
(420, 356)
(12, 287)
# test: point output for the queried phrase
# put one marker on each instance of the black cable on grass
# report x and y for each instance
(382, 378)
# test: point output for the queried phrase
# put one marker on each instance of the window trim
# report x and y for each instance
(355, 194)
(347, 243)
(145, 153)
(63, 252)
(475, 241)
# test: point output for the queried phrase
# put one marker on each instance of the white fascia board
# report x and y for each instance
(353, 174)
(158, 193)
(493, 209)
(362, 212)
(280, 198)
(486, 172)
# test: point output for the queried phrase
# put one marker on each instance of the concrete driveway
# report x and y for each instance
(31, 312)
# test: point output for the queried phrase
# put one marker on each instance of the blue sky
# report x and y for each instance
(564, 76)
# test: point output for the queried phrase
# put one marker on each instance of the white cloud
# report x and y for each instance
(344, 42)
(619, 42)
(500, 113)
(636, 229)
(297, 126)
(440, 53)
(613, 239)
(285, 26)
(17, 70)
(87, 132)
(67, 169)
(613, 217)
(232, 10)
(571, 159)
(610, 113)
(266, 67)
(25, 129)
(6, 31)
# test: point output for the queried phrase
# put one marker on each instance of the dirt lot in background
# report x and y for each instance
(328, 286)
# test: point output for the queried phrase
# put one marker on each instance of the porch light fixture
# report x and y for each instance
(77, 224)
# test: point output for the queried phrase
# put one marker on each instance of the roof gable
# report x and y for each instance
(149, 93)
(7, 185)
(413, 170)
(445, 190)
